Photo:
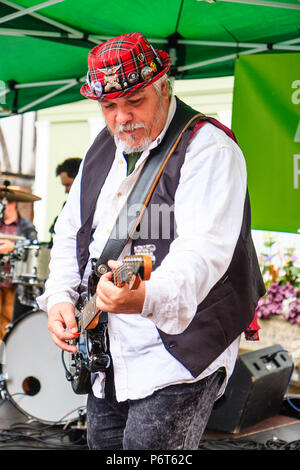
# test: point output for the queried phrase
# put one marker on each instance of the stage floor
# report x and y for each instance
(279, 432)
(17, 432)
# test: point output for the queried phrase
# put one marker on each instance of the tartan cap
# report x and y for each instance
(122, 65)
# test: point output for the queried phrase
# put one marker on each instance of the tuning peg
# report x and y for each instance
(145, 250)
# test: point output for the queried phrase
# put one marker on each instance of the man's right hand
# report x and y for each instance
(62, 325)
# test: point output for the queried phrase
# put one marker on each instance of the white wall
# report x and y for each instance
(62, 132)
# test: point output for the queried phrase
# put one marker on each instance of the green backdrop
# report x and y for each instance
(266, 121)
(44, 44)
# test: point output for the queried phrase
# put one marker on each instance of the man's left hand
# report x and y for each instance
(113, 299)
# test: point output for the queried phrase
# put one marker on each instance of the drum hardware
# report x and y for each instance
(27, 267)
(5, 268)
(3, 392)
(4, 258)
(10, 193)
(27, 294)
(7, 328)
(30, 263)
(7, 236)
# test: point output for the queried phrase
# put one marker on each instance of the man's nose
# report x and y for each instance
(123, 115)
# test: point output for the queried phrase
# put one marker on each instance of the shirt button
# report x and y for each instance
(119, 194)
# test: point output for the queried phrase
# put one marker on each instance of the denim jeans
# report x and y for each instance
(172, 418)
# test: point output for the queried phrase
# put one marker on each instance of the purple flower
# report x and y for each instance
(272, 302)
(293, 315)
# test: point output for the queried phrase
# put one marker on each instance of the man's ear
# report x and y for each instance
(164, 89)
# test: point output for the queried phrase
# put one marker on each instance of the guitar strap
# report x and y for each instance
(139, 197)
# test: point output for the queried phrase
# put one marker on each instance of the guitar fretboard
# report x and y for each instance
(89, 311)
(121, 275)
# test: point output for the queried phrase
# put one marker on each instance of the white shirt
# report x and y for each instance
(209, 203)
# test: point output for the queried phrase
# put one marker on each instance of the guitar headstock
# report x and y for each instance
(131, 271)
(135, 268)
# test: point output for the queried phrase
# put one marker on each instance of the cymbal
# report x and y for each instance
(6, 236)
(13, 194)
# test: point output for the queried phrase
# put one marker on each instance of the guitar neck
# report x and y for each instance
(90, 312)
(127, 271)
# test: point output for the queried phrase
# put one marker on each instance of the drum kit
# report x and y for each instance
(32, 367)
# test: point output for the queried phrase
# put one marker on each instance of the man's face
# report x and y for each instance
(66, 181)
(139, 118)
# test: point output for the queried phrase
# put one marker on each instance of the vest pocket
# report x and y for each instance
(209, 333)
(217, 293)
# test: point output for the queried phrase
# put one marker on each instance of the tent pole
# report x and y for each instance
(71, 35)
(26, 11)
(290, 41)
(262, 3)
(48, 96)
(46, 34)
(191, 42)
(280, 45)
(4, 92)
(285, 47)
(182, 68)
(44, 19)
(30, 32)
(48, 83)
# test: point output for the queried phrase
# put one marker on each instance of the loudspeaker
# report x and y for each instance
(255, 391)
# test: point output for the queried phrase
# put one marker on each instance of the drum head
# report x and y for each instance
(36, 381)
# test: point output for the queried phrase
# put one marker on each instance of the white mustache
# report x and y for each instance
(129, 127)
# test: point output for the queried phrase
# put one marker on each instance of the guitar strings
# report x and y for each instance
(124, 267)
(116, 277)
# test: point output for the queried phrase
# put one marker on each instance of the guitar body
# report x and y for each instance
(91, 356)
(92, 350)
(81, 380)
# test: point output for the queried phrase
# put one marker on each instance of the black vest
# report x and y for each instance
(229, 307)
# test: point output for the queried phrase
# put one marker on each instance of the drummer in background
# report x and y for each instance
(67, 171)
(11, 223)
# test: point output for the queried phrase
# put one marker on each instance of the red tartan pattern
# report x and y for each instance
(122, 65)
(251, 333)
(218, 124)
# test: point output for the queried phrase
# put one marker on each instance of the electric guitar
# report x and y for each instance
(92, 350)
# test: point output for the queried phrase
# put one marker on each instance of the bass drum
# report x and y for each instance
(34, 373)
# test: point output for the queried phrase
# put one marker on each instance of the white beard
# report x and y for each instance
(143, 145)
(131, 147)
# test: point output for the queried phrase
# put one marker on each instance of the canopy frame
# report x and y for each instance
(262, 3)
(67, 35)
(27, 11)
